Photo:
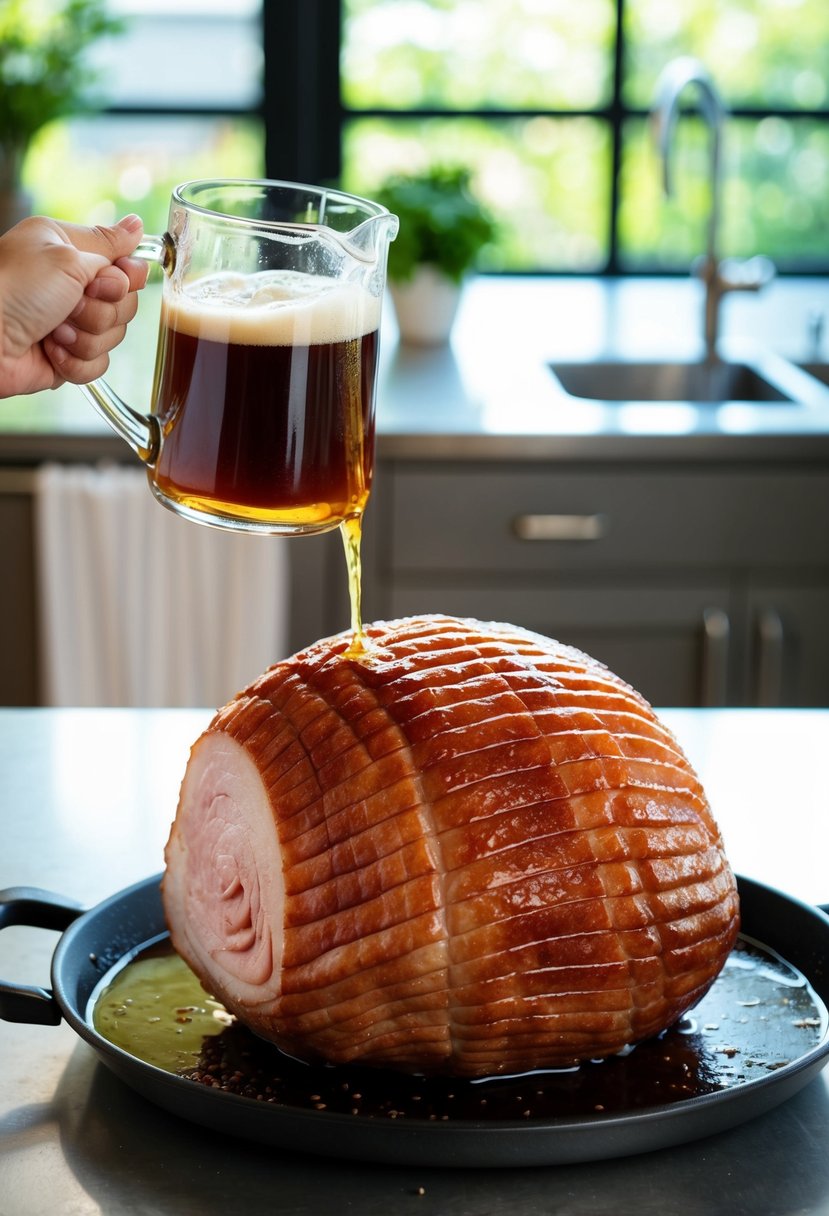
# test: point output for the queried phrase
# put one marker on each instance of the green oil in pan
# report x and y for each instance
(157, 1010)
(759, 1016)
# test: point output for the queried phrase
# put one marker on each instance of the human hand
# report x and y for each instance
(67, 293)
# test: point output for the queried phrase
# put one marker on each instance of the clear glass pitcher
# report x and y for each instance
(262, 412)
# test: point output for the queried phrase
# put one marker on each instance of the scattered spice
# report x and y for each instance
(685, 1061)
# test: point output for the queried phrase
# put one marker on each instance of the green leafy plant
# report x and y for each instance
(43, 72)
(442, 223)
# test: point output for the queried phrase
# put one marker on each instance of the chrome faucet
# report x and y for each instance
(730, 274)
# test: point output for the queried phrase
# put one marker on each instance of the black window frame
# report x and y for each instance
(303, 113)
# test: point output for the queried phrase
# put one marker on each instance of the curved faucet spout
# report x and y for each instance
(676, 77)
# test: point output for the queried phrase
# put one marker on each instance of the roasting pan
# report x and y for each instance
(94, 941)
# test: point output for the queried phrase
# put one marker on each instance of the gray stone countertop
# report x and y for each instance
(86, 815)
(490, 394)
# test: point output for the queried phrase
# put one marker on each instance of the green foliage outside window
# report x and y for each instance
(520, 92)
(548, 177)
(471, 54)
(775, 194)
(43, 70)
(544, 179)
(95, 170)
(763, 53)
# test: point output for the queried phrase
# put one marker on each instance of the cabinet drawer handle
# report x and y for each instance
(770, 647)
(716, 635)
(559, 527)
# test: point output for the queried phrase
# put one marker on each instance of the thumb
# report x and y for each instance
(108, 241)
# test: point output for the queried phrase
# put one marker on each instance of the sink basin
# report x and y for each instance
(706, 383)
(819, 370)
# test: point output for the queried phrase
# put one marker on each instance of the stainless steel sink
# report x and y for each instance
(701, 383)
(819, 370)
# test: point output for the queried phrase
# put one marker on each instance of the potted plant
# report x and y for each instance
(443, 228)
(43, 76)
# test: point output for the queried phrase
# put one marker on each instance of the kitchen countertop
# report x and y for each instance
(489, 395)
(86, 798)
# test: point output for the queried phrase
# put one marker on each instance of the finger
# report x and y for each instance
(97, 316)
(136, 270)
(69, 367)
(110, 284)
(86, 347)
(108, 241)
(114, 281)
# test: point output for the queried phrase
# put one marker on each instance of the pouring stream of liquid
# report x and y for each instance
(351, 531)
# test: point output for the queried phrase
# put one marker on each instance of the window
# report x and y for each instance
(548, 100)
(545, 100)
(183, 85)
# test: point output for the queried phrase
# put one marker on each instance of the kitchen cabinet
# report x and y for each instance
(788, 642)
(18, 605)
(687, 547)
(700, 583)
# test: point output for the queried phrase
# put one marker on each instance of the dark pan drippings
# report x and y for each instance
(759, 1016)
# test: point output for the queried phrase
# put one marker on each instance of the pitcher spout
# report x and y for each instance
(370, 240)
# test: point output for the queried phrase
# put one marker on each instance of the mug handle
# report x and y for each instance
(141, 431)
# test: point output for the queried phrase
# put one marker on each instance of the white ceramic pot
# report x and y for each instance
(425, 306)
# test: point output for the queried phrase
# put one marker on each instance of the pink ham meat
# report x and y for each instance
(478, 852)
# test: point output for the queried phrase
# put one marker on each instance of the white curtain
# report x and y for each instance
(139, 607)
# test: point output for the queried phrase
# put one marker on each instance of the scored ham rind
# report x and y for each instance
(475, 852)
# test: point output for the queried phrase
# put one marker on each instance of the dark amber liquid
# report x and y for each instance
(279, 436)
(760, 1015)
(351, 531)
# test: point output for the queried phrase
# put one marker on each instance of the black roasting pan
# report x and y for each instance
(94, 941)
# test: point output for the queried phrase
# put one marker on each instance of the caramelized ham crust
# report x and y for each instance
(476, 852)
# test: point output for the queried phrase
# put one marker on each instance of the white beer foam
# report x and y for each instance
(272, 308)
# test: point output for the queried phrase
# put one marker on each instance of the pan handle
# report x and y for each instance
(40, 910)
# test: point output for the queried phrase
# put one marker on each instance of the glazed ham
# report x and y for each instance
(475, 852)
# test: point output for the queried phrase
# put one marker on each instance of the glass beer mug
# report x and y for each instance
(262, 413)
